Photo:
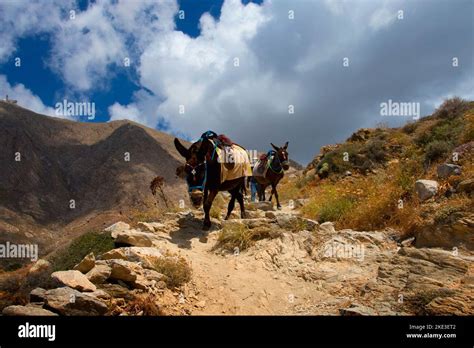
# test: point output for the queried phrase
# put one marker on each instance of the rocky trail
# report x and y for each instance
(301, 267)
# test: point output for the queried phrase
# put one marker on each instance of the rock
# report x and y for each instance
(201, 304)
(295, 223)
(263, 205)
(426, 189)
(27, 310)
(147, 256)
(99, 274)
(86, 264)
(67, 301)
(466, 186)
(327, 227)
(457, 232)
(100, 294)
(117, 291)
(151, 226)
(117, 227)
(300, 202)
(135, 238)
(445, 170)
(347, 173)
(124, 270)
(270, 215)
(149, 278)
(456, 305)
(37, 295)
(74, 279)
(357, 310)
(39, 266)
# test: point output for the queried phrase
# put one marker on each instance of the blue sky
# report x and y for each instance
(46, 84)
(237, 67)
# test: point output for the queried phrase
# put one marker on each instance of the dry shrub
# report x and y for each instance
(15, 287)
(176, 269)
(240, 236)
(145, 304)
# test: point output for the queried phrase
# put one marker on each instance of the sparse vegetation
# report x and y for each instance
(240, 236)
(176, 270)
(95, 242)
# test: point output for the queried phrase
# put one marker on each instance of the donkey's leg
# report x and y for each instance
(207, 207)
(231, 205)
(240, 199)
(274, 189)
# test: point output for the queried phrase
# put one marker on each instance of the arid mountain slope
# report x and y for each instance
(47, 162)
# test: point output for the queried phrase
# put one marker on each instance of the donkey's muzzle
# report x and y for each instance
(196, 197)
(285, 165)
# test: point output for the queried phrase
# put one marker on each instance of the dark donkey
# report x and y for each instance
(203, 172)
(274, 173)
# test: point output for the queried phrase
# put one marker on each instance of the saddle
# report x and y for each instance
(234, 159)
(262, 165)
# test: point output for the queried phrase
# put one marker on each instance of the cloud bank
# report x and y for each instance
(332, 62)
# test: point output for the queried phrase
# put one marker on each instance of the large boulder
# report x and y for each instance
(74, 279)
(117, 227)
(135, 238)
(99, 274)
(426, 189)
(124, 270)
(86, 264)
(28, 310)
(445, 170)
(147, 256)
(67, 301)
(457, 231)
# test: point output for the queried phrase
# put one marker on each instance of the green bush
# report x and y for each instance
(95, 242)
(436, 149)
(334, 209)
(451, 108)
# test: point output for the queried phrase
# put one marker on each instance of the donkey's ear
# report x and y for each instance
(285, 146)
(181, 149)
(275, 147)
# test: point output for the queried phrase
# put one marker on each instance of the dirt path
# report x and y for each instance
(240, 284)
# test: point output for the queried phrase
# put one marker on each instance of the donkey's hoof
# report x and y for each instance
(206, 226)
(243, 215)
(226, 217)
(279, 207)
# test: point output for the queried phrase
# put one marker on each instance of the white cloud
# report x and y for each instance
(24, 97)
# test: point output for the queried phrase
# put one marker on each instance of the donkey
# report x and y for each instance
(202, 172)
(276, 171)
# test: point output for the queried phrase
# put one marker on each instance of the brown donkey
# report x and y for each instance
(277, 163)
(202, 172)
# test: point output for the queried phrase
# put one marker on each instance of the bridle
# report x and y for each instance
(193, 172)
(280, 164)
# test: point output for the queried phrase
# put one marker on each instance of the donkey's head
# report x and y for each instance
(194, 170)
(282, 155)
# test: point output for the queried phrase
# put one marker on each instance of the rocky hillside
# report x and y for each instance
(275, 262)
(48, 162)
(417, 180)
(381, 224)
